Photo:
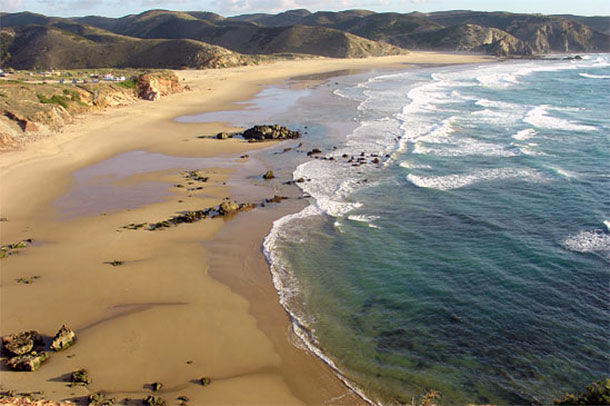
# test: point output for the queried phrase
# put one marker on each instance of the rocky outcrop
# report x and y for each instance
(27, 362)
(26, 349)
(270, 132)
(152, 86)
(63, 339)
(21, 343)
(30, 111)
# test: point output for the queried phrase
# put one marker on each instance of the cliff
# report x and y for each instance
(30, 111)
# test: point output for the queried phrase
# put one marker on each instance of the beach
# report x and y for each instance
(187, 302)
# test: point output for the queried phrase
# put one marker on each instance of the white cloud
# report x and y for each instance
(11, 5)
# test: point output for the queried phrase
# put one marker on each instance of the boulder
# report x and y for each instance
(205, 381)
(63, 339)
(229, 207)
(154, 401)
(80, 377)
(222, 136)
(21, 343)
(314, 151)
(268, 175)
(269, 132)
(27, 362)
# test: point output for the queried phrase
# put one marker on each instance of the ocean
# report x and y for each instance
(457, 236)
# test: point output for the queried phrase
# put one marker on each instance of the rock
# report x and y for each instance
(96, 399)
(222, 136)
(63, 339)
(156, 387)
(151, 86)
(314, 151)
(228, 208)
(268, 175)
(276, 199)
(183, 398)
(27, 362)
(154, 401)
(80, 377)
(375, 161)
(21, 343)
(300, 180)
(205, 381)
(269, 132)
(431, 398)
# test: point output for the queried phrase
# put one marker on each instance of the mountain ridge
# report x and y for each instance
(201, 39)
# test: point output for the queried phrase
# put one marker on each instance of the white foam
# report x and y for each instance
(565, 173)
(525, 134)
(607, 224)
(588, 241)
(361, 218)
(592, 76)
(411, 165)
(496, 104)
(457, 181)
(539, 117)
(287, 286)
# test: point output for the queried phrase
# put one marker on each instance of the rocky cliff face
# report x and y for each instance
(30, 111)
(154, 86)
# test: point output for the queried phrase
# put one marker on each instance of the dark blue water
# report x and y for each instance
(473, 258)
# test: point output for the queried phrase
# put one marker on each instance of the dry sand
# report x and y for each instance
(191, 301)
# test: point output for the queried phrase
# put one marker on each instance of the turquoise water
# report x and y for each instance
(474, 257)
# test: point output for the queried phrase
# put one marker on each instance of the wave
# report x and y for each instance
(411, 165)
(467, 147)
(457, 181)
(592, 76)
(588, 241)
(526, 134)
(538, 117)
(361, 218)
(287, 286)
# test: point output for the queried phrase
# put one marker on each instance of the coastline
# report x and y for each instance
(254, 358)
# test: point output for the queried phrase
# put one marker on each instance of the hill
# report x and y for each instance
(67, 45)
(248, 37)
(162, 38)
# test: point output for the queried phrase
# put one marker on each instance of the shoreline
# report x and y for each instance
(293, 372)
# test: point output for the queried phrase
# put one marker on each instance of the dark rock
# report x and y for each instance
(275, 199)
(205, 381)
(268, 175)
(154, 401)
(269, 132)
(314, 151)
(223, 136)
(300, 180)
(183, 398)
(96, 399)
(63, 339)
(21, 343)
(80, 377)
(375, 161)
(156, 387)
(27, 362)
(228, 208)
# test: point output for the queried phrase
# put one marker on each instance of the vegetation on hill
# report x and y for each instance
(199, 39)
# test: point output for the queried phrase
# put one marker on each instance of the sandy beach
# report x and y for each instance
(188, 302)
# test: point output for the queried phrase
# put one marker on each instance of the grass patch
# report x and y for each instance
(74, 96)
(55, 99)
(128, 84)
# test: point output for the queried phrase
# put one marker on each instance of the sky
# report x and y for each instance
(117, 8)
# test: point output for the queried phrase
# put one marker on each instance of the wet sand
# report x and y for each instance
(188, 302)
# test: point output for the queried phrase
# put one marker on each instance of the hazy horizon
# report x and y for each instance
(227, 8)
